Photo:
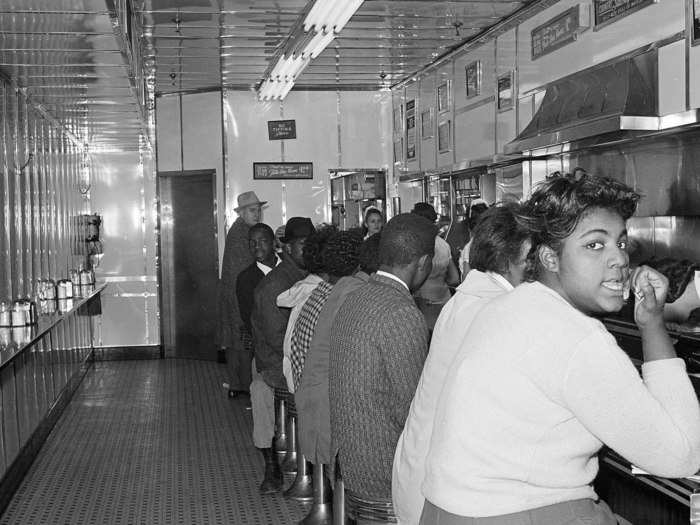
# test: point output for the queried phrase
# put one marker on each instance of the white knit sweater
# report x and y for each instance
(540, 389)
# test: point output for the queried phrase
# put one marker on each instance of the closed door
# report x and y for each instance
(189, 263)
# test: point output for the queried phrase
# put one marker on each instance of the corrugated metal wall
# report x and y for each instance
(41, 171)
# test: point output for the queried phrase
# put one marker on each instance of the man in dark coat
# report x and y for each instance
(379, 341)
(269, 325)
(237, 256)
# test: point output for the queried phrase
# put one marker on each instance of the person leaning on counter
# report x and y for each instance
(542, 385)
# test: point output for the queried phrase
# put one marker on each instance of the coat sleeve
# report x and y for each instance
(404, 347)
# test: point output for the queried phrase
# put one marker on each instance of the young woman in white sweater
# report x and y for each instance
(543, 385)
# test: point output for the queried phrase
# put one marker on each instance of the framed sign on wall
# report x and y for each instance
(281, 129)
(609, 11)
(559, 31)
(282, 170)
(473, 78)
(411, 129)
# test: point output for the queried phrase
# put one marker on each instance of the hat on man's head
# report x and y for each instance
(297, 228)
(248, 198)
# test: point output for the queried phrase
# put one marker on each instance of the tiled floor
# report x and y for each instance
(152, 442)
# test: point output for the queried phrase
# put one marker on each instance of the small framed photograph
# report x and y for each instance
(426, 124)
(444, 136)
(398, 151)
(694, 11)
(473, 76)
(505, 91)
(443, 97)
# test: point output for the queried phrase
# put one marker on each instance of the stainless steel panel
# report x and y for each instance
(664, 236)
(189, 260)
(10, 425)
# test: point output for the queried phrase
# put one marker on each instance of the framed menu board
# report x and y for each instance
(281, 129)
(609, 11)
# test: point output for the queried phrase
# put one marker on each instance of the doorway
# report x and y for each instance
(188, 263)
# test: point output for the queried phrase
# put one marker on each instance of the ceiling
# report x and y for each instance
(71, 60)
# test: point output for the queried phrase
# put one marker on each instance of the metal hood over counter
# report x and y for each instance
(618, 97)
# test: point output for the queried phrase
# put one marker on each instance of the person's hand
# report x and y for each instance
(649, 288)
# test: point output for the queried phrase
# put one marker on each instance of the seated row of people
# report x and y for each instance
(522, 385)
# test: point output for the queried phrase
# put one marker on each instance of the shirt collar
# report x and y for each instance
(264, 268)
(502, 281)
(393, 277)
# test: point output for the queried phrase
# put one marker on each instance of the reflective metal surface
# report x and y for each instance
(64, 56)
(198, 44)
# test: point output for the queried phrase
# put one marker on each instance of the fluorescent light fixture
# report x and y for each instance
(326, 18)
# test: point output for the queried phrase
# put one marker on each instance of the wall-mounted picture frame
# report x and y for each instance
(473, 79)
(398, 151)
(426, 124)
(694, 22)
(504, 88)
(444, 97)
(444, 136)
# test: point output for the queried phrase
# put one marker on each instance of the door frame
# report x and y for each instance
(166, 310)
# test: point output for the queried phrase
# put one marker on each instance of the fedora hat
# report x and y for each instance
(248, 198)
(297, 228)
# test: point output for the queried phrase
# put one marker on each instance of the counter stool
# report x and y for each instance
(280, 439)
(301, 488)
(288, 465)
(362, 511)
(321, 509)
(339, 515)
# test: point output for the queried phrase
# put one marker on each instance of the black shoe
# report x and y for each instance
(221, 356)
(272, 482)
(233, 394)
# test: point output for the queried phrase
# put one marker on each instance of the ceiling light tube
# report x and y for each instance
(298, 67)
(286, 87)
(313, 43)
(281, 62)
(318, 14)
(344, 13)
(321, 44)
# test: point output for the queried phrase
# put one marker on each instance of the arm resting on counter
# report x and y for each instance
(654, 423)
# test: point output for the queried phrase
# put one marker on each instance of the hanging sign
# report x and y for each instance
(411, 129)
(281, 129)
(557, 32)
(282, 170)
(609, 11)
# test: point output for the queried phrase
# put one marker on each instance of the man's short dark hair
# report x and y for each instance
(497, 240)
(426, 210)
(475, 213)
(262, 227)
(369, 254)
(314, 246)
(406, 238)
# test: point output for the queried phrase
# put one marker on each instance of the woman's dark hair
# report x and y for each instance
(475, 213)
(425, 210)
(679, 272)
(497, 240)
(369, 254)
(558, 204)
(314, 246)
(341, 254)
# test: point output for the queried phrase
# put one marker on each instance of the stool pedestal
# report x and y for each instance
(289, 463)
(321, 512)
(280, 439)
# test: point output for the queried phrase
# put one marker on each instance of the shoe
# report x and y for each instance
(233, 394)
(272, 482)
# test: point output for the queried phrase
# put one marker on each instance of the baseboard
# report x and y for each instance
(127, 353)
(14, 475)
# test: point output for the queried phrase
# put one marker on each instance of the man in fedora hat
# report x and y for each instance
(237, 257)
(269, 325)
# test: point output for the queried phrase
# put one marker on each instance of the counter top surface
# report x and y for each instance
(14, 340)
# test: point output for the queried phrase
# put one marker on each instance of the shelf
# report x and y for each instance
(45, 323)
